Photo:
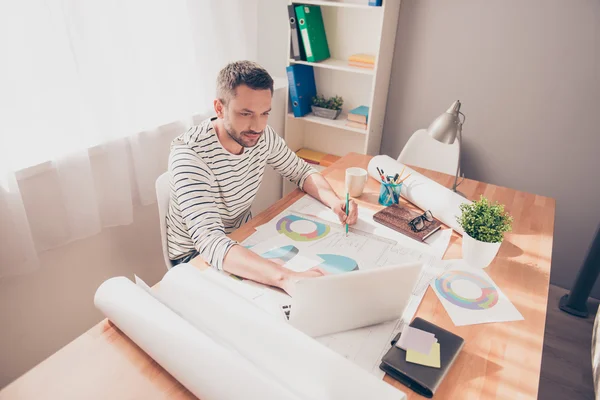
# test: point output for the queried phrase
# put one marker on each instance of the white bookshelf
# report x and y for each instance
(361, 5)
(339, 123)
(339, 65)
(351, 26)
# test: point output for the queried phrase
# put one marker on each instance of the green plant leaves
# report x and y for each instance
(485, 221)
(333, 103)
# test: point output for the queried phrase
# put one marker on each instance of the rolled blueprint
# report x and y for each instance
(206, 368)
(422, 191)
(299, 363)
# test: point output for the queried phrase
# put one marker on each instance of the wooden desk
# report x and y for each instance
(498, 361)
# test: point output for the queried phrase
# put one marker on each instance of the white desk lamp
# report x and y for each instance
(445, 129)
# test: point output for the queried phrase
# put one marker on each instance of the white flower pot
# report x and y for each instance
(478, 254)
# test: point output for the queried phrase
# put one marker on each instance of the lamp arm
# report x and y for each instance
(458, 171)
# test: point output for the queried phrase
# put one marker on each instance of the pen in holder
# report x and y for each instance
(389, 193)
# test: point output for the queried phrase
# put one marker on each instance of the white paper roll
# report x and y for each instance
(302, 365)
(422, 191)
(209, 370)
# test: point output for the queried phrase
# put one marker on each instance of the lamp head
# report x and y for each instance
(445, 127)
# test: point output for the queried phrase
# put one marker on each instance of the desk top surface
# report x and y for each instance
(498, 361)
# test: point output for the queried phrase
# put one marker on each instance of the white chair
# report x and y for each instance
(423, 151)
(163, 194)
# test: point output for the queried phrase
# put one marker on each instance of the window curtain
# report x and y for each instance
(91, 93)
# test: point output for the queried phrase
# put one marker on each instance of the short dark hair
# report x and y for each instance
(239, 73)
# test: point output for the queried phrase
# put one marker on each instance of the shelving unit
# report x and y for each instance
(351, 26)
(339, 123)
(339, 65)
(364, 5)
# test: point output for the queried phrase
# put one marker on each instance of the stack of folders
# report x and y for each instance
(312, 31)
(301, 82)
(362, 61)
(358, 118)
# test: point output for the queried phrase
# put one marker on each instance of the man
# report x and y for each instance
(216, 169)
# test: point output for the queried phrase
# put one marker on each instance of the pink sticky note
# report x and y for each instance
(416, 339)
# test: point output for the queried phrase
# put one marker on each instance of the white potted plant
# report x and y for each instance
(484, 225)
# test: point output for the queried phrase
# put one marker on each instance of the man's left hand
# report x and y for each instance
(340, 210)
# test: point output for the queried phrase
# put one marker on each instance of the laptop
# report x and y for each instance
(336, 303)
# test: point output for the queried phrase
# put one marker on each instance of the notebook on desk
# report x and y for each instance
(423, 379)
(398, 218)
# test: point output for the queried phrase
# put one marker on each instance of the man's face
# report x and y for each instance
(245, 115)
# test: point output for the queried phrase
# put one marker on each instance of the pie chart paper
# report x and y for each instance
(279, 250)
(471, 297)
(301, 229)
(335, 264)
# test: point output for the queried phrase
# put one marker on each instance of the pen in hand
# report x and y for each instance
(347, 210)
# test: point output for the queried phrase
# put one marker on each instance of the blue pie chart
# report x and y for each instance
(336, 264)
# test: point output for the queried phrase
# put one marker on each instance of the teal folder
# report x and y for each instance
(312, 31)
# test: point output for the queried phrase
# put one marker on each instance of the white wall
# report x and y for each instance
(273, 42)
(528, 75)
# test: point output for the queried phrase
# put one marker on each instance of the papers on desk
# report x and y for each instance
(470, 296)
(373, 245)
(211, 332)
(220, 346)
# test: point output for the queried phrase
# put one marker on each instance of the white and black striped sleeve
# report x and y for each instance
(285, 161)
(195, 189)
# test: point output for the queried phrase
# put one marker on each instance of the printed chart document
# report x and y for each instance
(470, 296)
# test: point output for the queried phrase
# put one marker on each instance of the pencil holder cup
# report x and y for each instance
(389, 193)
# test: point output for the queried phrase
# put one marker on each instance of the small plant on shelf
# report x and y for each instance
(333, 103)
(327, 108)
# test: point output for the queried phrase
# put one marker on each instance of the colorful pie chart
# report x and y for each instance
(301, 229)
(486, 293)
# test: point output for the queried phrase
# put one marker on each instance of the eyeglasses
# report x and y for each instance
(419, 223)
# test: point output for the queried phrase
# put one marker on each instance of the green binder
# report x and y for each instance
(312, 31)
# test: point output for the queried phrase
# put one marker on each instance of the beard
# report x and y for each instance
(244, 138)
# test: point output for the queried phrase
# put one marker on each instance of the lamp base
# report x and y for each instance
(563, 304)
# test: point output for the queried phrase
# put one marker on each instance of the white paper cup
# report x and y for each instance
(355, 181)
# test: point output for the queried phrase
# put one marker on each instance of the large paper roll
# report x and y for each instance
(422, 191)
(302, 365)
(209, 370)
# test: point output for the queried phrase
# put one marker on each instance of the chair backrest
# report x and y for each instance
(422, 150)
(163, 194)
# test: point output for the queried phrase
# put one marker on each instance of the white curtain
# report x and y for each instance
(91, 93)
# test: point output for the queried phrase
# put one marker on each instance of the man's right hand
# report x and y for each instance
(246, 264)
(289, 283)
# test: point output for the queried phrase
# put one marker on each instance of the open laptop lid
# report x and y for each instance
(340, 302)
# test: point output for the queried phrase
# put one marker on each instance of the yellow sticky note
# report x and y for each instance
(430, 360)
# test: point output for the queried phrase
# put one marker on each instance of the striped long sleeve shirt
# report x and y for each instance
(212, 190)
